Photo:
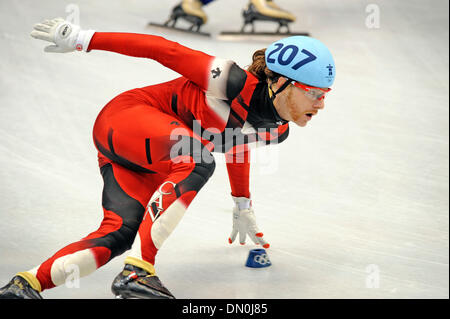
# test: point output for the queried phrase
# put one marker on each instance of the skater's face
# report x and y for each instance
(295, 104)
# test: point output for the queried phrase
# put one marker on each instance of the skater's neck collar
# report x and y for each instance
(262, 112)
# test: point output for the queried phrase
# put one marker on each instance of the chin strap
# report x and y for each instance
(273, 94)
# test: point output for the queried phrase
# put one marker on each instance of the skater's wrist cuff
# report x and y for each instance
(83, 40)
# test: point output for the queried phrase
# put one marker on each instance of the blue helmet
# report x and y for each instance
(302, 59)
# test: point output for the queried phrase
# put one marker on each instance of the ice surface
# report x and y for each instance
(363, 189)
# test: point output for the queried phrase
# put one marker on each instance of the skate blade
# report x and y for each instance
(257, 36)
(126, 297)
(166, 27)
(139, 296)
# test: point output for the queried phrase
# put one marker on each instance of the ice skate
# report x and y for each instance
(19, 288)
(191, 12)
(264, 10)
(136, 283)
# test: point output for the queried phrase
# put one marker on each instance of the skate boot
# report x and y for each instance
(19, 288)
(266, 10)
(136, 283)
(190, 11)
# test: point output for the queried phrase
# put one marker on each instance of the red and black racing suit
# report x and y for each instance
(154, 148)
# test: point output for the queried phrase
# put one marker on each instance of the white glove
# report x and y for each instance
(66, 37)
(244, 223)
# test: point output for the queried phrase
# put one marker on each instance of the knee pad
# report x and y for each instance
(205, 169)
(202, 171)
(203, 160)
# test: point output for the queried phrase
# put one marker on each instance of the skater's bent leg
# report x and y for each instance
(166, 148)
(168, 204)
(122, 217)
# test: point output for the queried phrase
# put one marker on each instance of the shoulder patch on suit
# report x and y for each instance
(226, 79)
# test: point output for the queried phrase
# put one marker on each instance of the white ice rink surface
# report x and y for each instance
(361, 191)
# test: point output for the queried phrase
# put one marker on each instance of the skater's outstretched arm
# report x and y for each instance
(220, 78)
(192, 64)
